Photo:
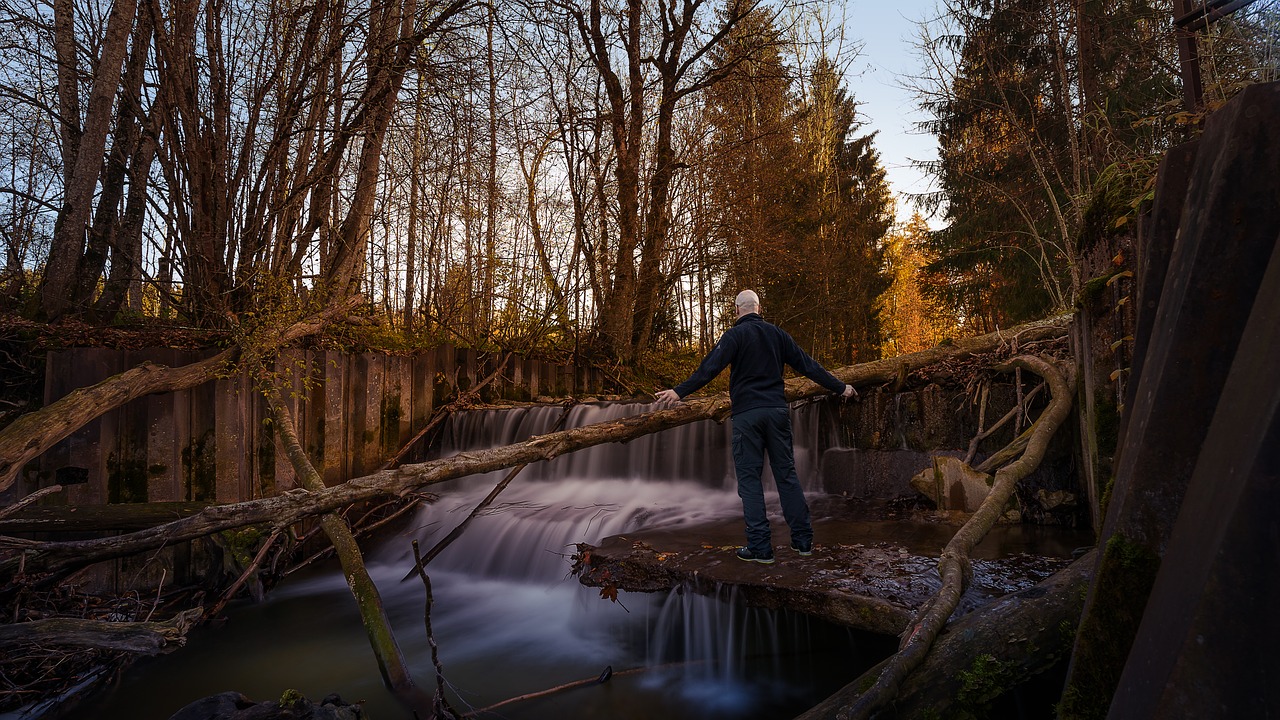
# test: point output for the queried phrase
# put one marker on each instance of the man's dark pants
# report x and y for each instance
(755, 432)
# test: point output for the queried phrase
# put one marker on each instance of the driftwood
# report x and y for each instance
(29, 436)
(145, 638)
(984, 653)
(1017, 410)
(33, 497)
(953, 566)
(54, 560)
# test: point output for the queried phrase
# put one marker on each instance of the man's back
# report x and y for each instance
(757, 351)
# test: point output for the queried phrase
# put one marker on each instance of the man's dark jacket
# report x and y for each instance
(757, 350)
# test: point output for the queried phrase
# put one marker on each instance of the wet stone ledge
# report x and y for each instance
(872, 587)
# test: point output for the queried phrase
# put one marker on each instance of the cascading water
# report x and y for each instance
(509, 620)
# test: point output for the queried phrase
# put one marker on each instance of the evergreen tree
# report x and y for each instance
(802, 203)
(837, 210)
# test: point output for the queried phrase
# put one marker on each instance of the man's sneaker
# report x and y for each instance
(746, 554)
(804, 549)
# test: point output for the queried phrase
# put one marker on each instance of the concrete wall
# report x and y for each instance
(888, 437)
(211, 443)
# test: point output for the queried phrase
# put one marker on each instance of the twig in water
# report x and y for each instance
(439, 705)
(603, 678)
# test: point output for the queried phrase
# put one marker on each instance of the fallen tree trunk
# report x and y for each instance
(953, 566)
(29, 436)
(984, 653)
(54, 560)
(145, 638)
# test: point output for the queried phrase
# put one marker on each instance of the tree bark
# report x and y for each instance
(56, 559)
(953, 566)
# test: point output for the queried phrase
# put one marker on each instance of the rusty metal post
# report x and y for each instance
(1190, 17)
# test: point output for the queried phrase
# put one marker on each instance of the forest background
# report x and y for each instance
(577, 177)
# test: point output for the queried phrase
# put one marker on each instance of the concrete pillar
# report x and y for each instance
(335, 417)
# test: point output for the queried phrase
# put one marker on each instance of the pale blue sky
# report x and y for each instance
(887, 31)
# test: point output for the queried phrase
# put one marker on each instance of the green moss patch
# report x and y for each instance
(1125, 578)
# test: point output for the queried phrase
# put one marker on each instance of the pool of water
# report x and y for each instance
(509, 620)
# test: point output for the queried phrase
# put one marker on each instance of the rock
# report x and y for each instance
(1050, 499)
(953, 485)
(214, 707)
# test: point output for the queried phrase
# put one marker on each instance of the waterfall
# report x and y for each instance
(680, 477)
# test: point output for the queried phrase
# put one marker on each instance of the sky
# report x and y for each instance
(887, 31)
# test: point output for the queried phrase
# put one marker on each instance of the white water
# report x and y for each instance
(508, 618)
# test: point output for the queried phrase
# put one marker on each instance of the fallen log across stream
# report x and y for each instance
(44, 563)
(143, 638)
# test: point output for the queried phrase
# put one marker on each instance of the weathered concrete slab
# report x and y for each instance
(860, 575)
(1205, 647)
(1226, 235)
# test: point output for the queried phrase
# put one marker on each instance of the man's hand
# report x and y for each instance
(667, 396)
(849, 392)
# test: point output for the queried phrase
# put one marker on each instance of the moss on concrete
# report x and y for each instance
(1124, 580)
(126, 477)
(199, 468)
(1106, 421)
(1092, 292)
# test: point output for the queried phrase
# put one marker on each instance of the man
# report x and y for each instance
(756, 351)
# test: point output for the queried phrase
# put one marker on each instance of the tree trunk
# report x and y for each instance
(108, 233)
(625, 114)
(62, 267)
(391, 663)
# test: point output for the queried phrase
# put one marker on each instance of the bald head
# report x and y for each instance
(747, 302)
